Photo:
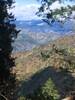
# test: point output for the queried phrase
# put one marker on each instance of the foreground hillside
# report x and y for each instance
(55, 60)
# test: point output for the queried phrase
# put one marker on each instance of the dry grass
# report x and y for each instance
(30, 62)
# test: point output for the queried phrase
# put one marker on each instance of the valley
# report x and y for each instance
(36, 32)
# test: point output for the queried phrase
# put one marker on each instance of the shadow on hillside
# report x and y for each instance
(63, 80)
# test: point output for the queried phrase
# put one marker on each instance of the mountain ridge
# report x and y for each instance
(29, 59)
(36, 32)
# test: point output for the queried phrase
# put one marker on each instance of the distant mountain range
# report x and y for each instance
(36, 32)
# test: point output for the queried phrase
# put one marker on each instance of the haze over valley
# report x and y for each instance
(37, 32)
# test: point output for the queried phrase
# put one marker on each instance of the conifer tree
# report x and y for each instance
(8, 33)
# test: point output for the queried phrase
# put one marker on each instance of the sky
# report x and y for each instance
(26, 9)
(26, 2)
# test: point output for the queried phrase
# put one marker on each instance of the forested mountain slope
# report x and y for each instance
(56, 60)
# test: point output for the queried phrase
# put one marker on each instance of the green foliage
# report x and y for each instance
(55, 14)
(8, 33)
(45, 55)
(66, 56)
(46, 92)
(22, 98)
(50, 89)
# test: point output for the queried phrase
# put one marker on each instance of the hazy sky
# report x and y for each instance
(26, 1)
(26, 9)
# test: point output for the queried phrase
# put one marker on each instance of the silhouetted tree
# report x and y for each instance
(8, 33)
(50, 14)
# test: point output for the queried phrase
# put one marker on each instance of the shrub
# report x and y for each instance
(47, 92)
